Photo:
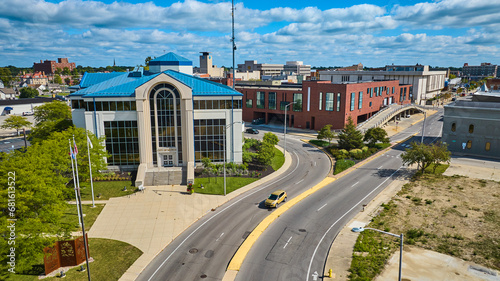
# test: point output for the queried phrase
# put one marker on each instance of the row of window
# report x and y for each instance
(104, 105)
(468, 145)
(216, 104)
(122, 142)
(454, 128)
(271, 101)
(209, 139)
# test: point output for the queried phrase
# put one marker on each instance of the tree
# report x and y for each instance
(350, 137)
(374, 135)
(51, 117)
(5, 76)
(28, 93)
(326, 133)
(270, 138)
(58, 71)
(424, 155)
(452, 76)
(57, 79)
(66, 71)
(266, 153)
(67, 80)
(15, 122)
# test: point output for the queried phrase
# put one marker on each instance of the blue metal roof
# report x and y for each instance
(90, 79)
(170, 57)
(124, 85)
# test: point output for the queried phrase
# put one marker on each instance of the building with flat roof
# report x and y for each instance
(297, 68)
(479, 71)
(426, 84)
(319, 103)
(50, 66)
(162, 121)
(207, 66)
(473, 127)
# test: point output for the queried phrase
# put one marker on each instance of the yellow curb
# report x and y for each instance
(242, 252)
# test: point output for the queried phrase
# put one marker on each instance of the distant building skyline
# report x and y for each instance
(442, 33)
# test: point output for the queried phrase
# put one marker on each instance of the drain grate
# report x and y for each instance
(302, 230)
(203, 276)
(193, 251)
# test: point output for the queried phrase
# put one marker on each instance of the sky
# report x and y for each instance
(319, 33)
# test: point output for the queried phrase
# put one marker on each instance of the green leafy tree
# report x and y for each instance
(27, 93)
(266, 153)
(74, 72)
(453, 76)
(5, 76)
(51, 117)
(66, 71)
(350, 137)
(58, 71)
(67, 80)
(270, 138)
(374, 135)
(58, 79)
(326, 133)
(15, 122)
(424, 155)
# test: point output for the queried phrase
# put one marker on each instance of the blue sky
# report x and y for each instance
(319, 33)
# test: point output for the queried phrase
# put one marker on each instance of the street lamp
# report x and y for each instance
(361, 229)
(284, 130)
(423, 127)
(225, 147)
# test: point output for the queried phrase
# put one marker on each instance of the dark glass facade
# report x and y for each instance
(122, 142)
(209, 139)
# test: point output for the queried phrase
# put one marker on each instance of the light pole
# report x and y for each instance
(284, 130)
(225, 147)
(423, 127)
(360, 229)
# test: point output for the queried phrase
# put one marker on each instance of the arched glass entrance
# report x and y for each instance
(166, 133)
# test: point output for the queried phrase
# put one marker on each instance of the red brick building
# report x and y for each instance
(50, 66)
(319, 103)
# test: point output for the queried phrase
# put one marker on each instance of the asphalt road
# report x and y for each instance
(204, 250)
(11, 144)
(296, 245)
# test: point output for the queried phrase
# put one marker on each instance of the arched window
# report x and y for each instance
(469, 144)
(471, 129)
(487, 146)
(453, 127)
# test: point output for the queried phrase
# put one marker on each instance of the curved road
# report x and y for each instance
(296, 245)
(204, 250)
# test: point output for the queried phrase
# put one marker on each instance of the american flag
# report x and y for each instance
(75, 151)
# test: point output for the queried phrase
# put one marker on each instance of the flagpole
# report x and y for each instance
(85, 244)
(90, 169)
(74, 180)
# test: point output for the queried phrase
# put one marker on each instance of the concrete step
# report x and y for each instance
(165, 176)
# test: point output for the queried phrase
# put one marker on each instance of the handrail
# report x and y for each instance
(395, 109)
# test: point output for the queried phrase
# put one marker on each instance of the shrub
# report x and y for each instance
(356, 153)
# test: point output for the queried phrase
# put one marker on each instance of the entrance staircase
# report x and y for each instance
(165, 176)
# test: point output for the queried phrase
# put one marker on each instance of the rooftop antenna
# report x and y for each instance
(232, 37)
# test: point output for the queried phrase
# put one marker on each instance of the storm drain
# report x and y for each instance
(245, 235)
(193, 251)
(203, 276)
(302, 230)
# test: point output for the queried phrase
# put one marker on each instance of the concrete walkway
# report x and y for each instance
(150, 220)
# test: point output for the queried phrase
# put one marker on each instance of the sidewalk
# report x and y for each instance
(150, 220)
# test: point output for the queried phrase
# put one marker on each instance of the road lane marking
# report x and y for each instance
(328, 230)
(321, 207)
(266, 185)
(219, 237)
(299, 181)
(355, 184)
(287, 242)
(314, 163)
(380, 167)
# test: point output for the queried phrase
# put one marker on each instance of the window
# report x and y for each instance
(471, 129)
(297, 99)
(271, 103)
(249, 103)
(283, 104)
(469, 144)
(376, 91)
(122, 142)
(345, 78)
(453, 127)
(329, 102)
(370, 104)
(360, 77)
(338, 102)
(353, 98)
(393, 90)
(209, 139)
(371, 92)
(321, 101)
(360, 100)
(487, 146)
(260, 100)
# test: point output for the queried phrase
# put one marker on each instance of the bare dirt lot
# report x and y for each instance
(453, 215)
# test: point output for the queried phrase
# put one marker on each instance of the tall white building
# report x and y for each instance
(160, 122)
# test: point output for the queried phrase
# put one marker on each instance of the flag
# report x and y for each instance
(90, 143)
(71, 152)
(75, 151)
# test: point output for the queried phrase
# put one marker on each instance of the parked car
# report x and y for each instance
(275, 199)
(252, 131)
(27, 113)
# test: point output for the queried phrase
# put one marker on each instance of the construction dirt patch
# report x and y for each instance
(455, 216)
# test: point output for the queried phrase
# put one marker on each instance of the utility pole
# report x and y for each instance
(232, 36)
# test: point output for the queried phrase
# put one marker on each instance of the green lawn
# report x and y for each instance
(70, 215)
(321, 143)
(111, 259)
(215, 185)
(107, 189)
